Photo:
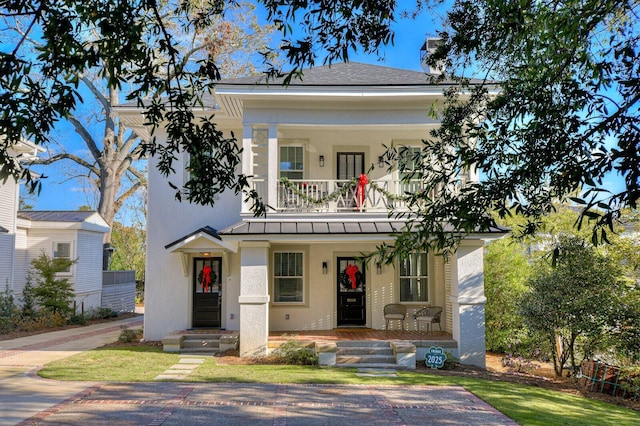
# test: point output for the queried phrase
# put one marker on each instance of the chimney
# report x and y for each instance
(429, 48)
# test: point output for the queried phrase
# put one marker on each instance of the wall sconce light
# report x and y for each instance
(380, 161)
(378, 268)
(325, 268)
(321, 159)
(205, 253)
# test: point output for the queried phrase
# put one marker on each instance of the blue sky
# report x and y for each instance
(60, 192)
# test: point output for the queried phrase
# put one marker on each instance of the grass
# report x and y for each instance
(527, 405)
(119, 364)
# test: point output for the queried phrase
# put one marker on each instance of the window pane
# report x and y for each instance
(288, 290)
(62, 250)
(414, 278)
(291, 162)
(288, 277)
(277, 267)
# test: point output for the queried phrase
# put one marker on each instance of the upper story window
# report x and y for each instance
(414, 278)
(62, 251)
(408, 161)
(292, 162)
(288, 277)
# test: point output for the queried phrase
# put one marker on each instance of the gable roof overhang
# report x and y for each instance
(201, 240)
(62, 220)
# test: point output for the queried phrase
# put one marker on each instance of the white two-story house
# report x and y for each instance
(25, 235)
(308, 148)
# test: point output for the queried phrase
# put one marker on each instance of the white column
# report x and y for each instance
(254, 298)
(467, 302)
(247, 164)
(272, 166)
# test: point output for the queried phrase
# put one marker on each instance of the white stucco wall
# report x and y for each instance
(168, 292)
(467, 302)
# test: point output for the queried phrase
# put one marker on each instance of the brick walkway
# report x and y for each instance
(205, 404)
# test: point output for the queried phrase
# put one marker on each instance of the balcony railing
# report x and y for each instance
(306, 195)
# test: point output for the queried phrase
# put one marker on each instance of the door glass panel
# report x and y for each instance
(350, 165)
(351, 276)
(208, 275)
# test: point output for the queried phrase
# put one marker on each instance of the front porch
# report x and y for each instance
(341, 347)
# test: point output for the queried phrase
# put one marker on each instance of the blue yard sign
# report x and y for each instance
(435, 357)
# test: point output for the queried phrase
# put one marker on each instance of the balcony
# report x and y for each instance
(337, 196)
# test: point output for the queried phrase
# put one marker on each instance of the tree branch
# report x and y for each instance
(86, 137)
(66, 156)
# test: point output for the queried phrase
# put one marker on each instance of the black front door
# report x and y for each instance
(351, 292)
(207, 291)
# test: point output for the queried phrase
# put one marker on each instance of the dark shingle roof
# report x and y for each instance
(205, 229)
(3, 230)
(344, 74)
(55, 215)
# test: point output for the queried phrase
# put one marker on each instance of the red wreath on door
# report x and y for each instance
(206, 278)
(351, 271)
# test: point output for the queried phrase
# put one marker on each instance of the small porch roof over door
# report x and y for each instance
(202, 240)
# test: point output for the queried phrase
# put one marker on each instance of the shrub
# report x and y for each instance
(78, 319)
(630, 381)
(7, 303)
(128, 335)
(451, 362)
(51, 292)
(292, 352)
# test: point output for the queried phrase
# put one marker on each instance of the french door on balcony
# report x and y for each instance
(350, 165)
(207, 291)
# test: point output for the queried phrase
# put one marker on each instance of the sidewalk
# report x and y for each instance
(22, 393)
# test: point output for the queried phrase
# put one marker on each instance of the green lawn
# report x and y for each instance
(527, 405)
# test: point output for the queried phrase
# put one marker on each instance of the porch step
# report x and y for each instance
(374, 354)
(200, 343)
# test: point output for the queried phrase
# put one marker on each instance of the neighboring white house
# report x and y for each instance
(67, 234)
(296, 268)
(24, 235)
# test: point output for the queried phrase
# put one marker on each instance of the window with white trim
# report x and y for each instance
(288, 277)
(62, 250)
(292, 162)
(414, 278)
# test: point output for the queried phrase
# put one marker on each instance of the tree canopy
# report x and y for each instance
(564, 116)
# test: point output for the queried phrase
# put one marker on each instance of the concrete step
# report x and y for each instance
(365, 359)
(200, 351)
(203, 336)
(371, 365)
(362, 343)
(201, 343)
(359, 350)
